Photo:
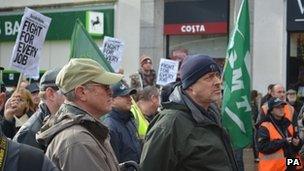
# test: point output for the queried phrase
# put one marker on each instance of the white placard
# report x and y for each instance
(29, 42)
(112, 49)
(167, 71)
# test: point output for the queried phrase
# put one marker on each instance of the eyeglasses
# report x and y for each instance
(105, 87)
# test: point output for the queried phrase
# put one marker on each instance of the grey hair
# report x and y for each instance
(70, 96)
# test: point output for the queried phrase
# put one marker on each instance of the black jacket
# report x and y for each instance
(8, 127)
(184, 136)
(123, 135)
(22, 157)
(27, 132)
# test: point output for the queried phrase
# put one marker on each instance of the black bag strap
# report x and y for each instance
(3, 152)
(30, 158)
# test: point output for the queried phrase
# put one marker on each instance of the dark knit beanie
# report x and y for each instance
(196, 66)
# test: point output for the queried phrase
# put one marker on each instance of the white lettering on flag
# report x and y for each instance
(237, 83)
(244, 103)
(29, 42)
(235, 119)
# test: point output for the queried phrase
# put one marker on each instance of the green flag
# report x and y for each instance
(83, 46)
(236, 110)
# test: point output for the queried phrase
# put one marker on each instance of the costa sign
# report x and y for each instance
(192, 28)
(196, 28)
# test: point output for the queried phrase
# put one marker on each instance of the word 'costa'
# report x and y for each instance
(192, 28)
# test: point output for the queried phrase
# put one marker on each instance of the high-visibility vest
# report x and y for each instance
(288, 110)
(141, 122)
(275, 161)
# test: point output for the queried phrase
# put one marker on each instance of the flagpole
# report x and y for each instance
(20, 80)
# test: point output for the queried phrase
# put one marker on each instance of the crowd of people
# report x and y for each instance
(82, 117)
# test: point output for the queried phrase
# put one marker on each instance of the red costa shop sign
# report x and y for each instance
(196, 17)
(196, 28)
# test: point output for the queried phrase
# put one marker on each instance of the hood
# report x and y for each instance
(68, 115)
(180, 99)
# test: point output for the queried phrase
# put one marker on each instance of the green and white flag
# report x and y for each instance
(83, 46)
(236, 110)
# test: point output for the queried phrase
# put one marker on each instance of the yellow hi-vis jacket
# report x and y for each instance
(141, 122)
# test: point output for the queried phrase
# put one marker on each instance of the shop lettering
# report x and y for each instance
(192, 28)
(11, 28)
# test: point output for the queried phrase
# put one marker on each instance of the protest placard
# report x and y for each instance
(112, 49)
(167, 71)
(29, 42)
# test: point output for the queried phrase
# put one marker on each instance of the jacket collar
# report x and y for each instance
(120, 115)
(182, 101)
(68, 115)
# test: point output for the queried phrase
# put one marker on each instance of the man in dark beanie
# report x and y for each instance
(187, 134)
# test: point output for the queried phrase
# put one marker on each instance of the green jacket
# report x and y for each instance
(186, 137)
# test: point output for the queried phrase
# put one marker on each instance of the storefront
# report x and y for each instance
(199, 26)
(295, 46)
(98, 20)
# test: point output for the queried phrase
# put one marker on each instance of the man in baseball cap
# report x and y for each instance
(122, 126)
(51, 100)
(75, 138)
(188, 127)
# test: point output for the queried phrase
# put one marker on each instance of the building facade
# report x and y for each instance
(120, 19)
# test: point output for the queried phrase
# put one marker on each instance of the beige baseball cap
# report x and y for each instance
(81, 70)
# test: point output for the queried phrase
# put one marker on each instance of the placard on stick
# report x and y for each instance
(167, 71)
(112, 49)
(29, 42)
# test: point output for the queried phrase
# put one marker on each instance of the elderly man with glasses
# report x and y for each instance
(75, 138)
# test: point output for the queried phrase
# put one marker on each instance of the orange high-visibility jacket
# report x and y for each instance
(275, 161)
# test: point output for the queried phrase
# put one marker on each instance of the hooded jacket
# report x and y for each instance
(76, 141)
(184, 136)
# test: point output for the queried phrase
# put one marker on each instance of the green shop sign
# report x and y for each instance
(99, 22)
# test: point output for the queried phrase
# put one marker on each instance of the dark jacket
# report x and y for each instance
(27, 133)
(267, 147)
(186, 137)
(123, 135)
(8, 127)
(16, 153)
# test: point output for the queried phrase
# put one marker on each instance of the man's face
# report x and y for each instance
(155, 104)
(123, 103)
(178, 56)
(147, 65)
(98, 98)
(292, 97)
(58, 98)
(279, 92)
(207, 89)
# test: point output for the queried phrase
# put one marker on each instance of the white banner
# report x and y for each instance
(167, 71)
(29, 42)
(112, 49)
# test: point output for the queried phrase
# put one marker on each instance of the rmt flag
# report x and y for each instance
(236, 108)
(29, 42)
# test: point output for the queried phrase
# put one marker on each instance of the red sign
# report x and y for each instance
(196, 28)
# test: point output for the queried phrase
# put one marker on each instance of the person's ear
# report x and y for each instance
(80, 92)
